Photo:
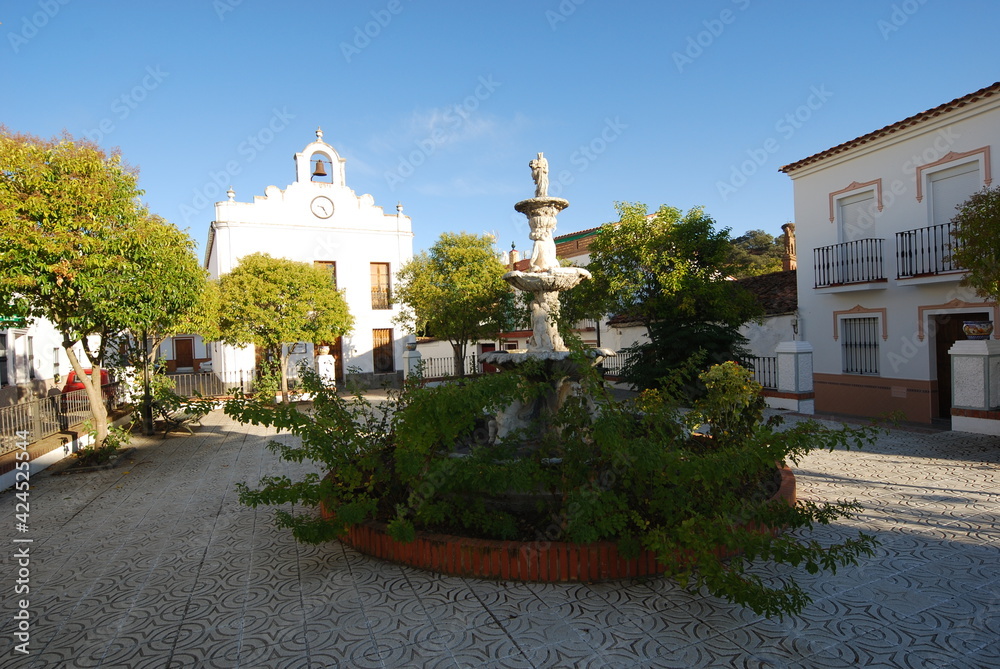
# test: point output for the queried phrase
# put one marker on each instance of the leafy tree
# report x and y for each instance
(269, 302)
(167, 283)
(756, 252)
(977, 237)
(72, 235)
(672, 273)
(455, 291)
(167, 287)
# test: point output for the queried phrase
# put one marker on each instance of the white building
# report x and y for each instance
(318, 219)
(32, 360)
(879, 298)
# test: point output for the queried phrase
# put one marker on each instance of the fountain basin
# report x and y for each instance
(535, 561)
(556, 279)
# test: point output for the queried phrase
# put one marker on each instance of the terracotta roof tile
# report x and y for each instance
(776, 292)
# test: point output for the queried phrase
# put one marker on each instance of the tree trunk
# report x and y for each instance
(147, 396)
(94, 393)
(459, 350)
(283, 357)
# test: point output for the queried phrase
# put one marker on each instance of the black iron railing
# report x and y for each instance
(381, 299)
(765, 370)
(926, 251)
(860, 261)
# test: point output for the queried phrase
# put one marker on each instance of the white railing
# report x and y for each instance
(212, 384)
(437, 368)
(614, 364)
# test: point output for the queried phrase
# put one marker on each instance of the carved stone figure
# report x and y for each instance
(540, 174)
(326, 367)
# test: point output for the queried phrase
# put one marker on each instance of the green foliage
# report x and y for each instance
(733, 405)
(100, 452)
(756, 252)
(269, 302)
(630, 472)
(671, 272)
(455, 291)
(977, 237)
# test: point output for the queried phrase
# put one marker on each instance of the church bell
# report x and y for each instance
(320, 171)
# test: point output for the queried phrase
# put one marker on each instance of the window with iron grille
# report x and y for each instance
(330, 266)
(381, 299)
(860, 345)
(382, 357)
(4, 380)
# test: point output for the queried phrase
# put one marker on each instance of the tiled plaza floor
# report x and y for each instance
(156, 565)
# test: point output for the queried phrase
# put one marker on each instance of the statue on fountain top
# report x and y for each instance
(540, 175)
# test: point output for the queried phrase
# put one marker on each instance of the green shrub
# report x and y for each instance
(630, 472)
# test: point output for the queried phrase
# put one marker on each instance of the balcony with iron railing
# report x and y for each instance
(926, 252)
(856, 262)
(381, 299)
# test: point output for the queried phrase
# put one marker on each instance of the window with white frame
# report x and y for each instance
(857, 215)
(55, 365)
(951, 187)
(31, 357)
(859, 337)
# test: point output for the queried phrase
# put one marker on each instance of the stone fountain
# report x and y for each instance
(545, 279)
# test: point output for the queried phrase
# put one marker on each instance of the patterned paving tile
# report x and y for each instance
(163, 567)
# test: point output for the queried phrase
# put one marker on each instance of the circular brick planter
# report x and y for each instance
(516, 560)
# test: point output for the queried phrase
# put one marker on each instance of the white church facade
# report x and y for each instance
(319, 220)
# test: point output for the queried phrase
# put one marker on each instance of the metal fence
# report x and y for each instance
(926, 251)
(859, 261)
(213, 384)
(45, 416)
(765, 370)
(437, 368)
(614, 364)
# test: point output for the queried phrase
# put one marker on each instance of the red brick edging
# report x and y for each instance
(986, 414)
(544, 561)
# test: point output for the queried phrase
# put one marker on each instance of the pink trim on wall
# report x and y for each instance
(854, 185)
(955, 304)
(952, 156)
(858, 309)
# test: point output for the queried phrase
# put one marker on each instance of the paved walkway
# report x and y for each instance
(156, 564)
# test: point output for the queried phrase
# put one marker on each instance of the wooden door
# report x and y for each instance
(184, 354)
(486, 348)
(948, 330)
(382, 357)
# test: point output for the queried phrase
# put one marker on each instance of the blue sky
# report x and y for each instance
(440, 105)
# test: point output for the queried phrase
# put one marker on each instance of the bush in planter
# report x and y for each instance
(629, 472)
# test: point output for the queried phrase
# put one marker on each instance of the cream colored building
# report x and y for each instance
(879, 298)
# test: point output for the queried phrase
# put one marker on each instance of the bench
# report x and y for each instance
(174, 419)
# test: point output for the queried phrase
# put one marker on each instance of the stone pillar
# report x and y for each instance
(795, 378)
(975, 386)
(411, 361)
